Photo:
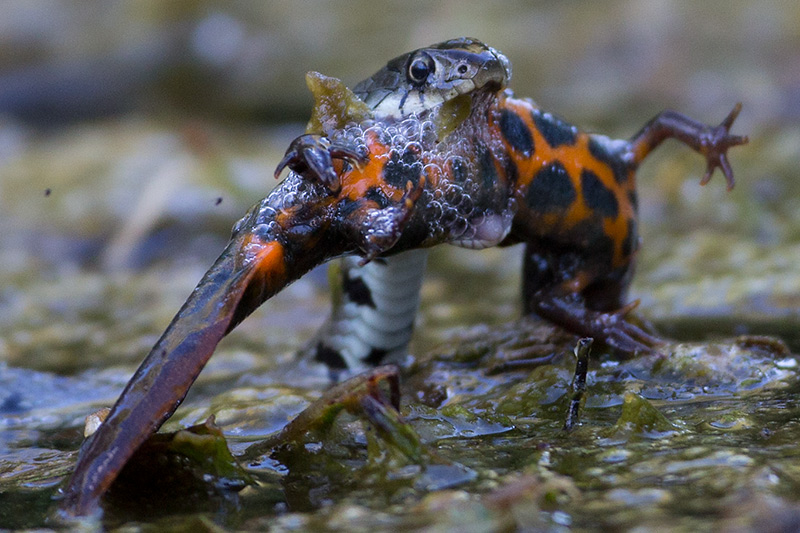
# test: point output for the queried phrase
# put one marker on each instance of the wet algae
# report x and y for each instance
(670, 442)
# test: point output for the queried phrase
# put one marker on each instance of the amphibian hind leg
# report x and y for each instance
(570, 294)
(712, 142)
(569, 311)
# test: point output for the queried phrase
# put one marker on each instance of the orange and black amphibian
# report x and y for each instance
(460, 162)
(512, 173)
(577, 211)
(508, 173)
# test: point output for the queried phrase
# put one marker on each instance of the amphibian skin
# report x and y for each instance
(430, 150)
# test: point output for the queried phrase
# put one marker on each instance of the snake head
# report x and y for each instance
(421, 80)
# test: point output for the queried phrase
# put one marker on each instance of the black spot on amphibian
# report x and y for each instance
(598, 248)
(603, 250)
(357, 291)
(458, 169)
(600, 152)
(487, 168)
(597, 196)
(516, 132)
(631, 242)
(512, 173)
(554, 130)
(413, 235)
(403, 168)
(634, 199)
(551, 189)
(347, 206)
(377, 196)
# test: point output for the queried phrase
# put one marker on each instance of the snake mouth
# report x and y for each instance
(504, 63)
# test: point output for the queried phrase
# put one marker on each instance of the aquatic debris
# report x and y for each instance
(578, 385)
(180, 469)
(360, 396)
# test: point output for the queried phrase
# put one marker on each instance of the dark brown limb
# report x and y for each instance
(362, 396)
(379, 234)
(312, 157)
(611, 328)
(712, 142)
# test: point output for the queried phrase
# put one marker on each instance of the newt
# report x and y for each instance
(432, 149)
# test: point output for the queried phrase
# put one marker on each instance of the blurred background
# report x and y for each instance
(246, 59)
(133, 134)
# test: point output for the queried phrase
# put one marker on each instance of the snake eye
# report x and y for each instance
(420, 68)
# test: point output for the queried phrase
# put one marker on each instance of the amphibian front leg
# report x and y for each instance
(312, 157)
(709, 141)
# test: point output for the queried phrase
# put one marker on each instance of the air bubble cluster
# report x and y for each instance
(465, 197)
(462, 202)
(293, 191)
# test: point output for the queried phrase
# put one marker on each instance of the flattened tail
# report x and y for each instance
(244, 276)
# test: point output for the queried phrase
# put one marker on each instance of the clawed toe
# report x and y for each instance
(623, 336)
(312, 157)
(715, 145)
(630, 341)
